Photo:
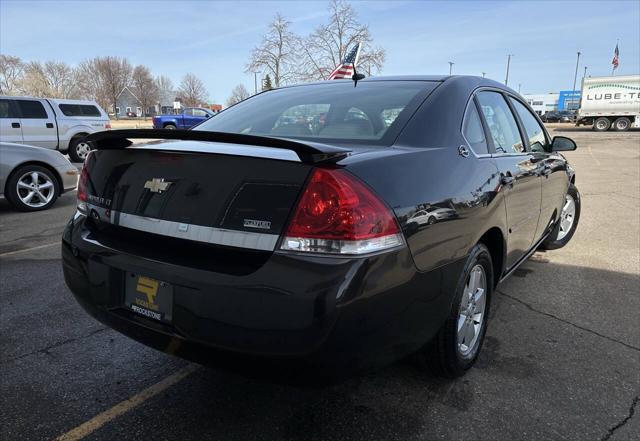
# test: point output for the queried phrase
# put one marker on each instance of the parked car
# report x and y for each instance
(51, 123)
(132, 115)
(289, 249)
(562, 116)
(32, 178)
(189, 117)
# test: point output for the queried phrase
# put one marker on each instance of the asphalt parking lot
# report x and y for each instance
(561, 359)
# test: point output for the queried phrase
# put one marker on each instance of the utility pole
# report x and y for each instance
(451, 63)
(585, 73)
(506, 80)
(519, 85)
(575, 77)
(255, 82)
(483, 74)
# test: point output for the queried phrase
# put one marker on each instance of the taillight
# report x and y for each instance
(338, 214)
(83, 184)
(107, 126)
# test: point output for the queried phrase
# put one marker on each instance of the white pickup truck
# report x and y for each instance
(51, 123)
(610, 103)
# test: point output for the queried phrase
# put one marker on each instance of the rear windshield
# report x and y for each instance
(371, 112)
(79, 110)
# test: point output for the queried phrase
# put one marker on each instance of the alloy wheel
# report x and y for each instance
(35, 189)
(567, 216)
(471, 314)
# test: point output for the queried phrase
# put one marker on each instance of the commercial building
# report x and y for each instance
(542, 103)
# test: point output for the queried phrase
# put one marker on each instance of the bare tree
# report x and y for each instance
(50, 79)
(192, 91)
(89, 82)
(326, 47)
(115, 75)
(165, 86)
(239, 93)
(144, 87)
(276, 54)
(11, 72)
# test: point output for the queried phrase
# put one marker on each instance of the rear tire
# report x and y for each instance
(170, 127)
(601, 124)
(32, 188)
(457, 344)
(567, 222)
(78, 149)
(621, 124)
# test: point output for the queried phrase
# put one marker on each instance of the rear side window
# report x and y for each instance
(7, 109)
(502, 124)
(473, 132)
(31, 109)
(79, 110)
(534, 131)
(199, 112)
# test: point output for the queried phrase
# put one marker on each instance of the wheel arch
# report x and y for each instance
(494, 240)
(40, 164)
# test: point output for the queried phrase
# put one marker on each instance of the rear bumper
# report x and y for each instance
(293, 317)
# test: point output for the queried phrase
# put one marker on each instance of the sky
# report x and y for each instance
(214, 39)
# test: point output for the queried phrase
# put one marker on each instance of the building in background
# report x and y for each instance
(542, 103)
(569, 100)
(127, 102)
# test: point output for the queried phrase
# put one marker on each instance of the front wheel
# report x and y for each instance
(457, 344)
(567, 222)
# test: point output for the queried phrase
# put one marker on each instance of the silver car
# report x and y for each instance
(32, 178)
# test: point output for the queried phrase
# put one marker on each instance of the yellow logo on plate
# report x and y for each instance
(149, 287)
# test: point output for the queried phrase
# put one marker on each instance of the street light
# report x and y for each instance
(575, 77)
(255, 82)
(451, 63)
(483, 74)
(506, 80)
(585, 73)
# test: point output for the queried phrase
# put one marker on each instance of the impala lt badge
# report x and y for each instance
(157, 185)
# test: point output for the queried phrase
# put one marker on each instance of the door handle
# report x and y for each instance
(15, 125)
(507, 179)
(49, 125)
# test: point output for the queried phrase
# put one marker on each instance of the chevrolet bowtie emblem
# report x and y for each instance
(157, 185)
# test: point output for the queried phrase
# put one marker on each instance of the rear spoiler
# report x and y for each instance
(310, 153)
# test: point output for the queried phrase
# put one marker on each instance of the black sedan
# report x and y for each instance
(321, 230)
(562, 116)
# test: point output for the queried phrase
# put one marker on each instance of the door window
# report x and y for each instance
(473, 131)
(533, 129)
(7, 109)
(501, 122)
(188, 112)
(31, 109)
(199, 112)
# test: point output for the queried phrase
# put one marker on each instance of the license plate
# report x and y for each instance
(149, 297)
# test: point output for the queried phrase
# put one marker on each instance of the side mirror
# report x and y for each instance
(563, 144)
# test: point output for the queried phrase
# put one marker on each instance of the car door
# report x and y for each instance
(188, 118)
(10, 128)
(520, 182)
(552, 167)
(38, 123)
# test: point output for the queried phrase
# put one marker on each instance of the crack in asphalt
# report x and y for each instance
(632, 411)
(591, 331)
(46, 350)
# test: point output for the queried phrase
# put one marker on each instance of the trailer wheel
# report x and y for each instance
(601, 124)
(621, 124)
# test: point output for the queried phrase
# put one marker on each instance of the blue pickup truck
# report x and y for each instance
(189, 117)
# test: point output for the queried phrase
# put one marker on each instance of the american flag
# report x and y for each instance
(345, 70)
(616, 58)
